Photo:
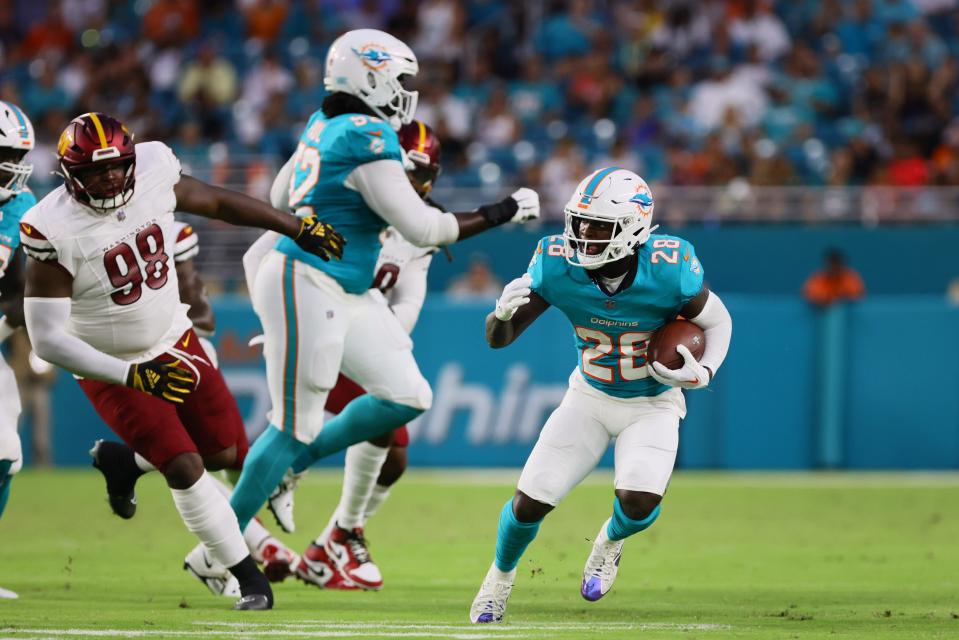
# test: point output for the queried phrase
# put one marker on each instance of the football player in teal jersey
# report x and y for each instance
(319, 318)
(617, 284)
(16, 139)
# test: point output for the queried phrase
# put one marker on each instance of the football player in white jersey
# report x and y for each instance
(102, 301)
(116, 460)
(16, 139)
(371, 467)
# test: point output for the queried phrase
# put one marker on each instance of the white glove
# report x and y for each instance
(514, 296)
(691, 375)
(528, 201)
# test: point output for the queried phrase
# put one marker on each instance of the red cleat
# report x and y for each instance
(347, 548)
(316, 568)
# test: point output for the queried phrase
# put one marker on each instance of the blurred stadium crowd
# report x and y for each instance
(831, 92)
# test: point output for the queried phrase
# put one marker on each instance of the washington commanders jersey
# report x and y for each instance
(611, 329)
(401, 272)
(329, 150)
(126, 301)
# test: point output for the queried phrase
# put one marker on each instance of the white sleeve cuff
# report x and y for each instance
(387, 191)
(46, 319)
(717, 325)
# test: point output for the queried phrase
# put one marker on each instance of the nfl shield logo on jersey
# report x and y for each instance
(610, 304)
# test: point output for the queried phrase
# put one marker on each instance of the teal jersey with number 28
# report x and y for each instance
(328, 152)
(612, 331)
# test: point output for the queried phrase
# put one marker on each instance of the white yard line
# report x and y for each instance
(504, 628)
(336, 629)
(260, 632)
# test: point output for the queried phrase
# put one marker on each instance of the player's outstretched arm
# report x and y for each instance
(516, 309)
(310, 233)
(386, 190)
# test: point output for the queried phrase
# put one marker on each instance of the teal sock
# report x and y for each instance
(621, 526)
(268, 459)
(364, 418)
(5, 481)
(512, 538)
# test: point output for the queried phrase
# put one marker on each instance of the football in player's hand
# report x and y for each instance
(663, 343)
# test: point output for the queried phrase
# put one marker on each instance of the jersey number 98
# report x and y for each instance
(124, 271)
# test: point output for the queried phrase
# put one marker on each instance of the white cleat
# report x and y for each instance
(489, 605)
(601, 565)
(6, 594)
(281, 500)
(211, 573)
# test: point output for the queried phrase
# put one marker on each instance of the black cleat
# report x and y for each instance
(115, 461)
(253, 602)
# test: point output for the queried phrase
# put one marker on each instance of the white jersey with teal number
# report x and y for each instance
(612, 330)
(329, 150)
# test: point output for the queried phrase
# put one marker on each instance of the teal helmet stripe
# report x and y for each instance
(594, 183)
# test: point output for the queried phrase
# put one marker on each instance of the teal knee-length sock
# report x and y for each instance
(268, 459)
(5, 480)
(621, 526)
(364, 418)
(512, 538)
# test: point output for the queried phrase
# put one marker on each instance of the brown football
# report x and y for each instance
(663, 343)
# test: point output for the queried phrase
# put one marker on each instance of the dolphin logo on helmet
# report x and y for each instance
(372, 56)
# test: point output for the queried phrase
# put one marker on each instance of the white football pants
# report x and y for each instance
(313, 330)
(577, 433)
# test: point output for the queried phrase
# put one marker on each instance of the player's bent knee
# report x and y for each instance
(183, 471)
(414, 393)
(382, 441)
(637, 505)
(220, 460)
(527, 509)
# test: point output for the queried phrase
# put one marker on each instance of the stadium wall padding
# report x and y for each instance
(761, 260)
(764, 410)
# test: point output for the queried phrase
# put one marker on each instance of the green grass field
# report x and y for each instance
(733, 556)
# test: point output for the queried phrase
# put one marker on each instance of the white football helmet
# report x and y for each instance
(16, 139)
(371, 65)
(610, 195)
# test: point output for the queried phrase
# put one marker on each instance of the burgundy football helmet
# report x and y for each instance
(98, 161)
(423, 151)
